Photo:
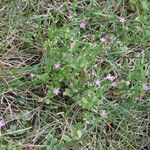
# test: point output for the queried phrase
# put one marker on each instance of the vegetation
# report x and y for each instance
(74, 74)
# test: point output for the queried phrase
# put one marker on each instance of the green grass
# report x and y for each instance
(35, 35)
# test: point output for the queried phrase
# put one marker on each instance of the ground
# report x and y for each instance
(74, 74)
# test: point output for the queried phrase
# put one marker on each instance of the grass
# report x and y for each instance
(75, 106)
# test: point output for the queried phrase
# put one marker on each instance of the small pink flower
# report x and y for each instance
(2, 124)
(57, 65)
(70, 15)
(104, 113)
(32, 75)
(122, 19)
(64, 54)
(103, 40)
(97, 82)
(146, 86)
(110, 77)
(56, 91)
(82, 25)
(114, 83)
(74, 57)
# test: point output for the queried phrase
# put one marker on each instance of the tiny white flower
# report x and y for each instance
(122, 19)
(104, 113)
(32, 75)
(103, 40)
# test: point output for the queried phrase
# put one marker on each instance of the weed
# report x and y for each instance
(74, 75)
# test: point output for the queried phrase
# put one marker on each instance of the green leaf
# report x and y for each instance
(144, 4)
(47, 101)
(68, 92)
(79, 134)
(44, 77)
(134, 2)
(66, 138)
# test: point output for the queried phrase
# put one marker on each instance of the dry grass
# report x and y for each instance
(33, 120)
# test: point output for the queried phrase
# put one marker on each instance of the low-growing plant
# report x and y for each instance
(74, 75)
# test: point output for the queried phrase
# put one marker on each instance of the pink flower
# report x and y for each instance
(64, 54)
(110, 77)
(104, 113)
(97, 82)
(70, 15)
(32, 75)
(56, 91)
(103, 40)
(82, 25)
(2, 124)
(57, 65)
(122, 19)
(114, 83)
(146, 86)
(74, 57)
